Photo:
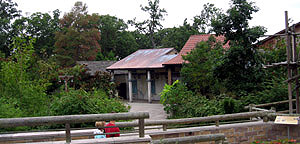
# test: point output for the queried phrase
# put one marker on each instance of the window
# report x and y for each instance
(134, 86)
(153, 86)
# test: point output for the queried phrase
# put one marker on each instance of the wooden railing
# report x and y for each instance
(215, 118)
(119, 116)
(71, 119)
(258, 107)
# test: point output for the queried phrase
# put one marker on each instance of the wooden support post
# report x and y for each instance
(169, 76)
(217, 123)
(130, 85)
(288, 43)
(149, 86)
(265, 119)
(164, 127)
(273, 109)
(68, 133)
(250, 109)
(141, 128)
(288, 50)
(295, 70)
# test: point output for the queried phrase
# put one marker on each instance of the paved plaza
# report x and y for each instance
(155, 109)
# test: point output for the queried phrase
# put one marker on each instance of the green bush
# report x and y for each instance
(274, 90)
(230, 105)
(8, 110)
(181, 102)
(17, 88)
(82, 102)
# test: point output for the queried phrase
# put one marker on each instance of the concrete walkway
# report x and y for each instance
(155, 109)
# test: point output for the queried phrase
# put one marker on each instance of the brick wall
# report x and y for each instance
(242, 133)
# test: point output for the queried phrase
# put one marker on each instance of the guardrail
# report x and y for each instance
(71, 119)
(215, 118)
(164, 123)
(252, 107)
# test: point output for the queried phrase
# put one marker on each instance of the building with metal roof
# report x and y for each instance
(146, 73)
(150, 69)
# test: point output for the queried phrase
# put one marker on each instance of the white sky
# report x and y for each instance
(271, 14)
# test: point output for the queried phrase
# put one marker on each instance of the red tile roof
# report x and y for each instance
(144, 59)
(191, 44)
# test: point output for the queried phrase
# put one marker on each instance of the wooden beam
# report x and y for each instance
(269, 104)
(48, 120)
(141, 128)
(288, 44)
(169, 76)
(295, 70)
(293, 78)
(68, 133)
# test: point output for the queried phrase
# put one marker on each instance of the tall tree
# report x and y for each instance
(79, 37)
(198, 72)
(202, 22)
(240, 69)
(175, 37)
(8, 12)
(151, 25)
(42, 27)
(114, 37)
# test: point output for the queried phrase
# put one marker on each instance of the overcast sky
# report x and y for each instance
(271, 14)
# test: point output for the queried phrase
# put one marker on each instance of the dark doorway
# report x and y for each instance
(122, 90)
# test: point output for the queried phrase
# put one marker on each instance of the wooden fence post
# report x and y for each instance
(273, 109)
(250, 109)
(141, 128)
(164, 127)
(68, 133)
(217, 123)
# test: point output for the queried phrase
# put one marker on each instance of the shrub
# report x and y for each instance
(82, 102)
(230, 105)
(17, 89)
(8, 110)
(181, 103)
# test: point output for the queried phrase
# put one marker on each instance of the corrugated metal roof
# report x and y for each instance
(191, 44)
(144, 58)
